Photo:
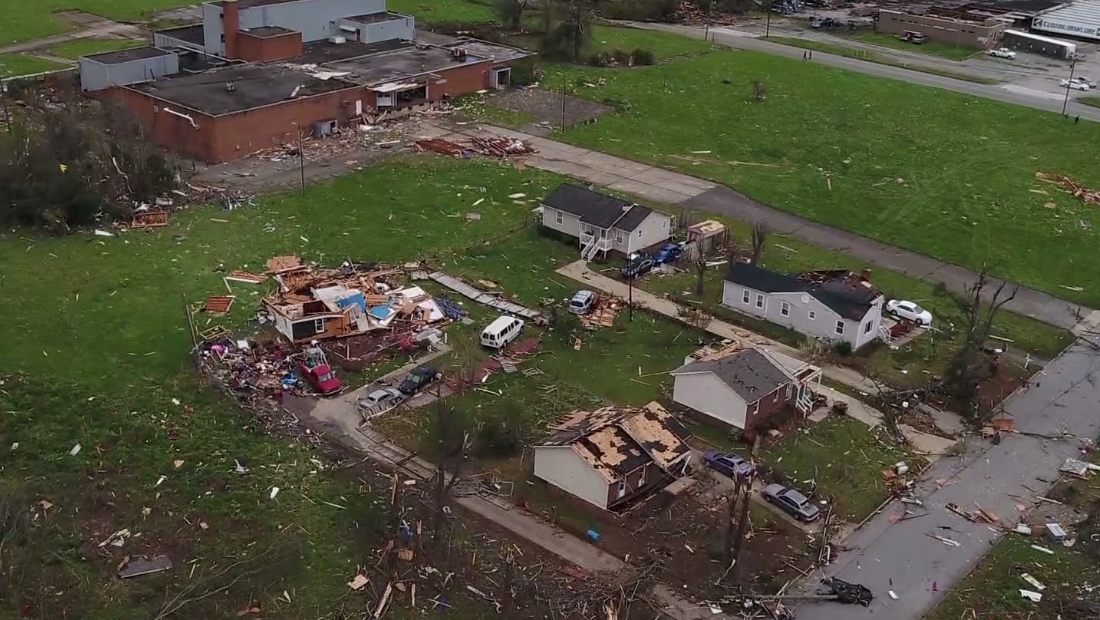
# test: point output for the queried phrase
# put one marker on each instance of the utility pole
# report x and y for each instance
(706, 30)
(301, 159)
(564, 81)
(630, 299)
(739, 539)
(1065, 102)
(768, 21)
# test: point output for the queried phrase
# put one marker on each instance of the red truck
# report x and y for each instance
(312, 365)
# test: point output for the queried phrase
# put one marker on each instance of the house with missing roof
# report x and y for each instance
(611, 456)
(742, 388)
(834, 306)
(604, 224)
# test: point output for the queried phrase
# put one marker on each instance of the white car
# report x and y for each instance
(1074, 84)
(1002, 52)
(380, 401)
(909, 311)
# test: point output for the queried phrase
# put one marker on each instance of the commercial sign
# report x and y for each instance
(1066, 27)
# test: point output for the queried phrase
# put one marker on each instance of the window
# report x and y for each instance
(840, 327)
(811, 315)
(790, 387)
(745, 298)
(558, 217)
(621, 490)
(318, 325)
(867, 327)
(759, 300)
(641, 478)
(785, 309)
(619, 237)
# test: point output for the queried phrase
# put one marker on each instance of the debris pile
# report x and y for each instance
(603, 312)
(491, 147)
(1088, 196)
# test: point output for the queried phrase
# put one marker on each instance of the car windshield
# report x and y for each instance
(796, 497)
(915, 308)
(328, 376)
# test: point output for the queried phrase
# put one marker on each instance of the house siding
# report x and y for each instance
(771, 403)
(634, 483)
(823, 325)
(571, 224)
(710, 397)
(655, 228)
(565, 469)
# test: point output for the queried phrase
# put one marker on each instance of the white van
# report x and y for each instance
(501, 331)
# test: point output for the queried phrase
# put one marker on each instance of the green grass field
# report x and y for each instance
(83, 47)
(1089, 101)
(859, 54)
(19, 64)
(932, 48)
(899, 168)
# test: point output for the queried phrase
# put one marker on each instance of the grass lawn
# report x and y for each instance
(440, 11)
(846, 459)
(843, 50)
(19, 64)
(83, 47)
(899, 168)
(1089, 101)
(932, 48)
(23, 20)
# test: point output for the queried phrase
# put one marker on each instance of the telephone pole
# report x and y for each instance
(1072, 66)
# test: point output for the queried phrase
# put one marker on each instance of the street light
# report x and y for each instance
(706, 30)
(768, 21)
(1065, 102)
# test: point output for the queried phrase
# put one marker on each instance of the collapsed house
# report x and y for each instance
(315, 305)
(612, 456)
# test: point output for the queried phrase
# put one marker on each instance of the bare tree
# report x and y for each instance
(510, 12)
(759, 238)
(214, 579)
(700, 266)
(759, 93)
(968, 368)
(727, 531)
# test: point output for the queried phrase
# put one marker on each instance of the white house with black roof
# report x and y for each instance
(602, 223)
(836, 306)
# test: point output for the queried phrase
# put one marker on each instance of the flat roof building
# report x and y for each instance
(959, 29)
(1079, 19)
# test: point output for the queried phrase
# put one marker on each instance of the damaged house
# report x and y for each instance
(613, 455)
(831, 305)
(742, 388)
(337, 303)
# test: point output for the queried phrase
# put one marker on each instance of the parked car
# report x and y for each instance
(582, 302)
(638, 266)
(909, 311)
(1075, 84)
(1002, 52)
(913, 36)
(313, 366)
(1084, 79)
(790, 501)
(417, 380)
(727, 464)
(668, 254)
(381, 400)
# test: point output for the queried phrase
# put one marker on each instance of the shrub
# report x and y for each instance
(621, 57)
(524, 74)
(843, 348)
(598, 59)
(500, 433)
(643, 56)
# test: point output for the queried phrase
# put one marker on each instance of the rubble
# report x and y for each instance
(491, 147)
(1088, 196)
(603, 313)
(135, 567)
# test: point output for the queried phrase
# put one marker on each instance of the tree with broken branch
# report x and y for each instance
(258, 571)
(758, 238)
(969, 366)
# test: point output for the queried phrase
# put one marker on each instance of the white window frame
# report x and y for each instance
(318, 325)
(619, 238)
(811, 315)
(620, 491)
(785, 308)
(641, 478)
(559, 217)
(839, 329)
(746, 297)
(760, 301)
(867, 327)
(789, 388)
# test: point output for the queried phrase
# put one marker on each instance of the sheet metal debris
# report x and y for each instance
(142, 565)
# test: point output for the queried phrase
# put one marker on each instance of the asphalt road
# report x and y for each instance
(903, 558)
(1041, 100)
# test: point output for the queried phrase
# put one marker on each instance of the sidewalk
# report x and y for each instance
(922, 442)
(664, 186)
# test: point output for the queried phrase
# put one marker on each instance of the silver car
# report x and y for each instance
(379, 401)
(791, 502)
(582, 302)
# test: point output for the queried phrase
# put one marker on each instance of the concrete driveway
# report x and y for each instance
(904, 558)
(723, 487)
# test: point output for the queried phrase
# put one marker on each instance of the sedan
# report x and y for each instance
(381, 400)
(909, 311)
(791, 502)
(638, 266)
(727, 464)
(1075, 85)
(668, 254)
(417, 380)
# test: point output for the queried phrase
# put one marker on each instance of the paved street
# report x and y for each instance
(1007, 93)
(903, 558)
(660, 185)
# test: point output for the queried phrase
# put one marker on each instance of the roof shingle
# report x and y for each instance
(748, 372)
(596, 209)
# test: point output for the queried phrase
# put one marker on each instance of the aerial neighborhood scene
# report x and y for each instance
(549, 309)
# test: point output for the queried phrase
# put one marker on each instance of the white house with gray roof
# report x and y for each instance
(835, 306)
(603, 223)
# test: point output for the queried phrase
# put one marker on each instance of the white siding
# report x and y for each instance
(707, 394)
(565, 469)
(654, 229)
(570, 224)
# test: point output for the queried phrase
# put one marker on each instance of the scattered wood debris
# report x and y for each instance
(1088, 196)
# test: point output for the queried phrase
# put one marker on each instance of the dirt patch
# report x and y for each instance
(546, 106)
